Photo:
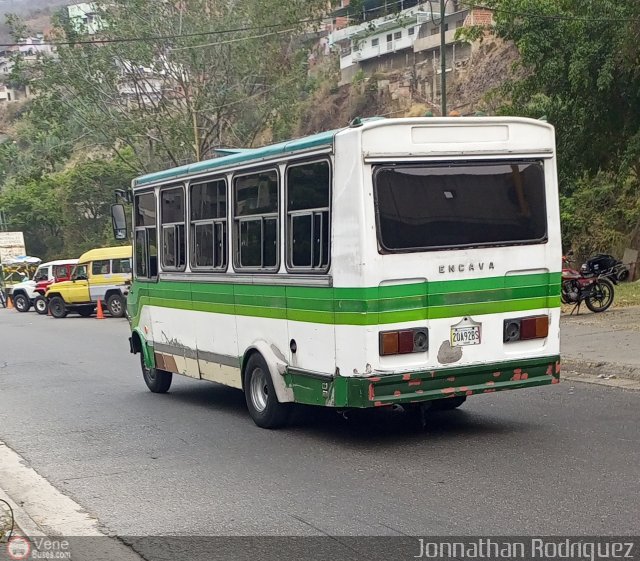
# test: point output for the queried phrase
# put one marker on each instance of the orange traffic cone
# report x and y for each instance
(9, 303)
(99, 314)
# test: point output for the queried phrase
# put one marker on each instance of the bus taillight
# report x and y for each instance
(523, 329)
(404, 342)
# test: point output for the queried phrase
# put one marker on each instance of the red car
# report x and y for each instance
(31, 292)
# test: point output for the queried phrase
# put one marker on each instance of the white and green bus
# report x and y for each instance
(410, 261)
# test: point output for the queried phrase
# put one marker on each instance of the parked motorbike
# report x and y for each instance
(595, 290)
(607, 266)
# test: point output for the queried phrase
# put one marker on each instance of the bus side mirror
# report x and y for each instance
(119, 221)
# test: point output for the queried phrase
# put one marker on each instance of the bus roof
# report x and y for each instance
(237, 157)
(117, 252)
(315, 141)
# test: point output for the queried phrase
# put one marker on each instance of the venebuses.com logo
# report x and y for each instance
(18, 548)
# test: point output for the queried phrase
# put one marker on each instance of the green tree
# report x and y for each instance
(210, 73)
(65, 213)
(580, 66)
(34, 208)
(89, 190)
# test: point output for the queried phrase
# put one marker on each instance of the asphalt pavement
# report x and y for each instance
(556, 460)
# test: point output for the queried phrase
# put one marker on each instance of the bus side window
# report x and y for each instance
(308, 201)
(153, 266)
(208, 223)
(141, 254)
(172, 215)
(152, 252)
(256, 221)
(145, 252)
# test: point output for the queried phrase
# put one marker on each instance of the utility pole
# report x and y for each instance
(443, 60)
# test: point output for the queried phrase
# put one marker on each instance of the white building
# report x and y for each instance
(31, 47)
(393, 35)
(28, 50)
(85, 18)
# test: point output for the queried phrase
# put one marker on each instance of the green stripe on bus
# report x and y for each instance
(357, 306)
(353, 318)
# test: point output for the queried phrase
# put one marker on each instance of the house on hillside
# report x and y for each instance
(27, 50)
(141, 86)
(85, 18)
(31, 47)
(9, 94)
(403, 39)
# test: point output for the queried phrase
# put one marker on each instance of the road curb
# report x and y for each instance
(23, 524)
(33, 498)
(596, 368)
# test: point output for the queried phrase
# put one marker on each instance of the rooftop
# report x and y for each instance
(235, 157)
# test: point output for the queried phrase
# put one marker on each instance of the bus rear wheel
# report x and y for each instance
(265, 409)
(158, 381)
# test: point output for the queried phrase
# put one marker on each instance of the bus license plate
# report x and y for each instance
(461, 336)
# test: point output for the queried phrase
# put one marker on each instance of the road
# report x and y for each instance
(555, 460)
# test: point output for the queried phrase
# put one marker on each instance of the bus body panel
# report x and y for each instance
(510, 282)
(325, 330)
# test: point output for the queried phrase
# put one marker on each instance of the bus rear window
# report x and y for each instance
(442, 206)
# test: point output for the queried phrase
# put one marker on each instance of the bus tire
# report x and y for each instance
(448, 404)
(40, 305)
(21, 302)
(265, 409)
(158, 381)
(116, 305)
(58, 307)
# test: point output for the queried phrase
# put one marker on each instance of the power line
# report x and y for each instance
(228, 41)
(164, 37)
(140, 39)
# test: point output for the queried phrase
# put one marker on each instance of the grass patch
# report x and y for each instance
(627, 294)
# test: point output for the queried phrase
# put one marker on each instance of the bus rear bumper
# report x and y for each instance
(380, 390)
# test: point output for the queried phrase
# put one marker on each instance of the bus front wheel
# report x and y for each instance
(158, 381)
(265, 409)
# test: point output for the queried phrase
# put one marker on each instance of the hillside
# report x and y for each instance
(401, 93)
(36, 14)
(25, 7)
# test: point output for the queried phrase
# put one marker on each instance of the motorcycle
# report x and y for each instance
(595, 290)
(607, 266)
